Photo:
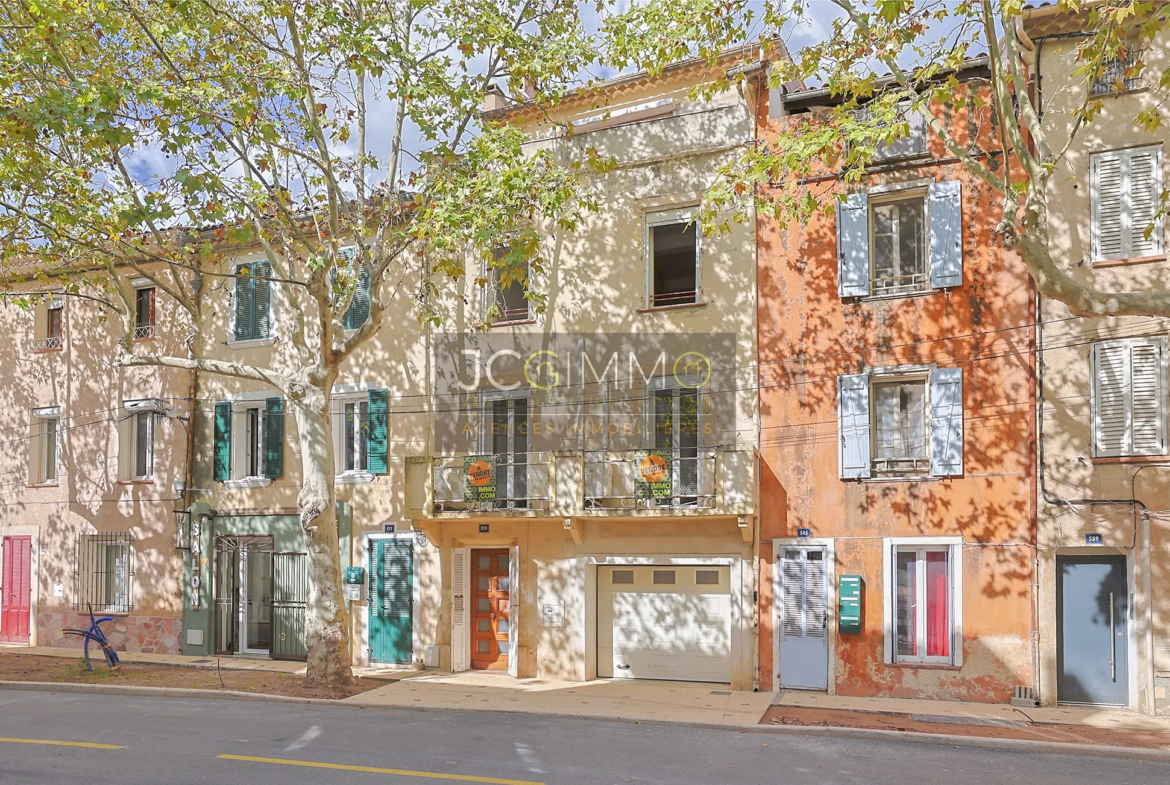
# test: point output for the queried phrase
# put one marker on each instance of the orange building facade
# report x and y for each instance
(898, 498)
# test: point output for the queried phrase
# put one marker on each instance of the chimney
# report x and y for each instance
(493, 98)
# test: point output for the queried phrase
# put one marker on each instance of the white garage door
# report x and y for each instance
(659, 622)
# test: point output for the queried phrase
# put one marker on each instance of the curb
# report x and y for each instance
(868, 734)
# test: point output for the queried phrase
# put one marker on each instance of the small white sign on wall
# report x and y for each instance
(58, 590)
(552, 613)
(353, 591)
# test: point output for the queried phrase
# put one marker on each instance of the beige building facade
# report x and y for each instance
(570, 494)
(1104, 464)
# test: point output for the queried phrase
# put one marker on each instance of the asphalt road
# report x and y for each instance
(163, 741)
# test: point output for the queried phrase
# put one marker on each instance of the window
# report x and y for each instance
(506, 300)
(909, 146)
(664, 577)
(676, 430)
(249, 441)
(360, 434)
(1129, 397)
(900, 423)
(924, 601)
(252, 302)
(359, 307)
(44, 446)
(136, 440)
(144, 313)
(49, 325)
(1126, 194)
(900, 427)
(507, 438)
(899, 246)
(674, 248)
(1117, 74)
(893, 243)
(105, 573)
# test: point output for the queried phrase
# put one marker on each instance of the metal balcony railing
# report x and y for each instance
(612, 480)
(519, 481)
(143, 331)
(900, 284)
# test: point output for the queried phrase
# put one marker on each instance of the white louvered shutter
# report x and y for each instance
(460, 567)
(1129, 392)
(814, 594)
(1125, 193)
(792, 578)
(1145, 195)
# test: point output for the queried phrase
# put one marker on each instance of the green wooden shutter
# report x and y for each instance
(359, 307)
(222, 458)
(376, 447)
(261, 286)
(274, 438)
(245, 323)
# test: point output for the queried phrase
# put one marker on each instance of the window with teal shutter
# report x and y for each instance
(253, 300)
(377, 453)
(222, 457)
(274, 438)
(359, 307)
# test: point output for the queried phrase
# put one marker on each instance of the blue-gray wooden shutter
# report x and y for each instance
(853, 426)
(261, 273)
(222, 444)
(274, 438)
(377, 405)
(245, 324)
(946, 234)
(853, 246)
(946, 422)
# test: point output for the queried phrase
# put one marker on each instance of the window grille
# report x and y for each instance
(105, 573)
(1113, 78)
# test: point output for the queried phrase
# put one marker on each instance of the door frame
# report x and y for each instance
(364, 624)
(461, 634)
(1131, 642)
(243, 603)
(34, 593)
(830, 548)
(741, 606)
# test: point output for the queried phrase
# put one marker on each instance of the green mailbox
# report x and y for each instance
(355, 576)
(849, 604)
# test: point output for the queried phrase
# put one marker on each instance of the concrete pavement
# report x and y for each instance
(185, 741)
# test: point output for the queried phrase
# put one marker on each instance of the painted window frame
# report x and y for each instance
(350, 394)
(1125, 194)
(147, 331)
(899, 375)
(131, 418)
(667, 216)
(954, 547)
(879, 199)
(492, 296)
(44, 466)
(241, 403)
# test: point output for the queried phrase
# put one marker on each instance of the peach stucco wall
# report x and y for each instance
(808, 336)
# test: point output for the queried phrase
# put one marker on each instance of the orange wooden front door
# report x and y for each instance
(489, 620)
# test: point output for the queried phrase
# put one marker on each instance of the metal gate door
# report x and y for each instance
(1091, 630)
(228, 550)
(804, 652)
(290, 596)
(16, 590)
(391, 601)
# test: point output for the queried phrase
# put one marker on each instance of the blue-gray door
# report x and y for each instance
(804, 640)
(1092, 608)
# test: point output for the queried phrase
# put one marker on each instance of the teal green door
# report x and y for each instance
(391, 601)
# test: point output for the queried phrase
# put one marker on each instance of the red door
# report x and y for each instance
(15, 589)
(489, 635)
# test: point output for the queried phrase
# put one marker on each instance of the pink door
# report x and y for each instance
(15, 589)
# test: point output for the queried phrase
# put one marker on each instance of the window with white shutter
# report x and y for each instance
(1125, 195)
(1129, 397)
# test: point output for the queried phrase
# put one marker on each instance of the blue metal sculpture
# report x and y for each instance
(95, 634)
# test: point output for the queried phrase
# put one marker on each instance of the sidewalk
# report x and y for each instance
(227, 663)
(619, 699)
(993, 713)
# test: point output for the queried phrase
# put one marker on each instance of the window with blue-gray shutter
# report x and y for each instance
(946, 422)
(853, 246)
(853, 426)
(253, 289)
(946, 234)
(222, 457)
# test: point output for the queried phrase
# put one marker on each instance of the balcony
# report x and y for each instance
(574, 484)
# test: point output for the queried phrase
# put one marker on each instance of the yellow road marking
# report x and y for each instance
(434, 775)
(51, 742)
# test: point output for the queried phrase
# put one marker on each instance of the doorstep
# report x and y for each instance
(617, 699)
(990, 713)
